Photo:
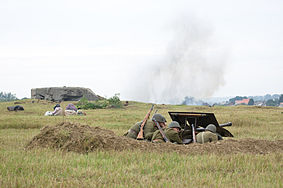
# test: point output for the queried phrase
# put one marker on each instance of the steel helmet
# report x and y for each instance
(211, 128)
(159, 118)
(174, 124)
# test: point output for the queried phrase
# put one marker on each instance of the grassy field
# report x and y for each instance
(53, 168)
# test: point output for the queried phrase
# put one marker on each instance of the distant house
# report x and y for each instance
(244, 101)
(281, 105)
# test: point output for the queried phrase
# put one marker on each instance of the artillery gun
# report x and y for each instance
(194, 122)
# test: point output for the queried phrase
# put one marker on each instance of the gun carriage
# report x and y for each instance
(194, 122)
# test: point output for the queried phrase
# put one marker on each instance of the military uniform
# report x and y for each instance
(206, 136)
(173, 136)
(157, 137)
(170, 133)
(148, 130)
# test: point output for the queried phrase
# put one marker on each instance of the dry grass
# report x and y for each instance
(53, 168)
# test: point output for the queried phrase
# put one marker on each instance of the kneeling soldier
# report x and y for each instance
(172, 133)
(208, 135)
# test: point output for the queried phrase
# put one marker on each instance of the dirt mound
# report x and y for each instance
(84, 139)
(75, 137)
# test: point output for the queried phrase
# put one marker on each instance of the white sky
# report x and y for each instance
(103, 45)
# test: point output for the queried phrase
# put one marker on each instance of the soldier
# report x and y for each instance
(57, 110)
(208, 135)
(172, 133)
(149, 127)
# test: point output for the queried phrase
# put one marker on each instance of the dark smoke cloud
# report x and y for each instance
(193, 66)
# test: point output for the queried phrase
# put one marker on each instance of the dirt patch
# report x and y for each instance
(83, 139)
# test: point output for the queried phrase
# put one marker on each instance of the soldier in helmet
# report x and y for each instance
(149, 127)
(208, 135)
(172, 133)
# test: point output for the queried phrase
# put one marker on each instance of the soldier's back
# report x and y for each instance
(149, 129)
(206, 136)
(134, 130)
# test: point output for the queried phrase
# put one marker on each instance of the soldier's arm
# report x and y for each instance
(148, 136)
(177, 139)
(174, 137)
(154, 135)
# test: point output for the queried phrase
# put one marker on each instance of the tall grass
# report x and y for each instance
(53, 168)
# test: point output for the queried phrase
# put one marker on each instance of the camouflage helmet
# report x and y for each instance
(174, 124)
(211, 128)
(159, 118)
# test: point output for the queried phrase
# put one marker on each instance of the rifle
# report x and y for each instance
(200, 129)
(160, 129)
(140, 135)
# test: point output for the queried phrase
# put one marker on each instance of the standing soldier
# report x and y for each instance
(208, 135)
(172, 133)
(149, 127)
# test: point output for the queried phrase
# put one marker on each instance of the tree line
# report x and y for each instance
(7, 97)
(268, 100)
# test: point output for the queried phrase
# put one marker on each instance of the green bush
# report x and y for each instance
(83, 101)
(113, 102)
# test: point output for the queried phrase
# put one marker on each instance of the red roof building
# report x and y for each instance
(244, 101)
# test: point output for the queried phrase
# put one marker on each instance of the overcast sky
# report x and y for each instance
(216, 48)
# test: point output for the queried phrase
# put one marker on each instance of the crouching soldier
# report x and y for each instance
(149, 127)
(172, 133)
(209, 135)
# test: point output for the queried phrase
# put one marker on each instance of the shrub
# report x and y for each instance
(113, 102)
(83, 101)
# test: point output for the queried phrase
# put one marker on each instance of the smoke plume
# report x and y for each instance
(193, 66)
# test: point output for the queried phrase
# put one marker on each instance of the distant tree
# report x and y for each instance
(275, 96)
(188, 100)
(271, 102)
(251, 102)
(7, 96)
(267, 97)
(281, 98)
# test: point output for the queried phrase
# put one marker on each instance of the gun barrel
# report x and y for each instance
(225, 124)
(200, 129)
